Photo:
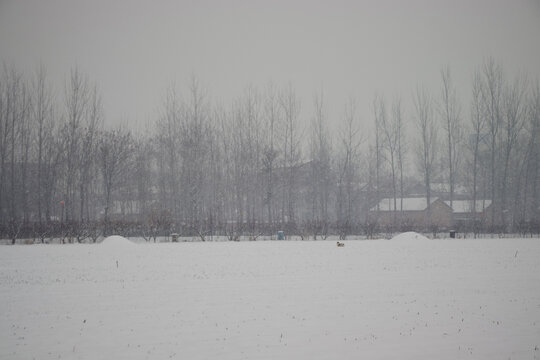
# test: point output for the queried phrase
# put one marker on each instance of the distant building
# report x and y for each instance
(412, 212)
(466, 214)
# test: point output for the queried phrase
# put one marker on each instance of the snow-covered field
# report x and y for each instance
(407, 298)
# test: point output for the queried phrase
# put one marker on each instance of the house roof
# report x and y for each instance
(465, 206)
(409, 204)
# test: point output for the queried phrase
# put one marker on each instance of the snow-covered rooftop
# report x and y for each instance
(409, 204)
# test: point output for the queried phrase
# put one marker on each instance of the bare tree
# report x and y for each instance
(4, 136)
(252, 146)
(225, 143)
(492, 97)
(76, 102)
(11, 118)
(272, 119)
(522, 179)
(11, 114)
(115, 155)
(401, 147)
(194, 152)
(391, 129)
(25, 137)
(512, 122)
(531, 198)
(320, 148)
(478, 122)
(215, 208)
(240, 165)
(426, 148)
(450, 113)
(142, 172)
(52, 150)
(16, 134)
(290, 105)
(348, 167)
(169, 139)
(377, 147)
(91, 125)
(43, 120)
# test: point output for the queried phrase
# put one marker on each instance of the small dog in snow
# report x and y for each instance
(340, 244)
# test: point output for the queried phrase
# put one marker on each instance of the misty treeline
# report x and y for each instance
(253, 167)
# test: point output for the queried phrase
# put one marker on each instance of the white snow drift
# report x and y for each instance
(117, 242)
(410, 236)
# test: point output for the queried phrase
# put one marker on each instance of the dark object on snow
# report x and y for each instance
(452, 234)
(280, 235)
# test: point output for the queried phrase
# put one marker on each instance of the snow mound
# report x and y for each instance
(408, 236)
(117, 242)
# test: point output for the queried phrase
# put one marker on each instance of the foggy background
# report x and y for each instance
(135, 50)
(235, 118)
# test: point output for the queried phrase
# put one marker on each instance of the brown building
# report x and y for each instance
(465, 216)
(412, 212)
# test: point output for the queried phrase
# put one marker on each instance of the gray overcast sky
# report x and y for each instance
(134, 50)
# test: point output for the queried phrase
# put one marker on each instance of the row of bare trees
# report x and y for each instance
(491, 152)
(261, 164)
(55, 154)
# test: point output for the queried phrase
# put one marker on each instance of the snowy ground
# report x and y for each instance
(398, 299)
